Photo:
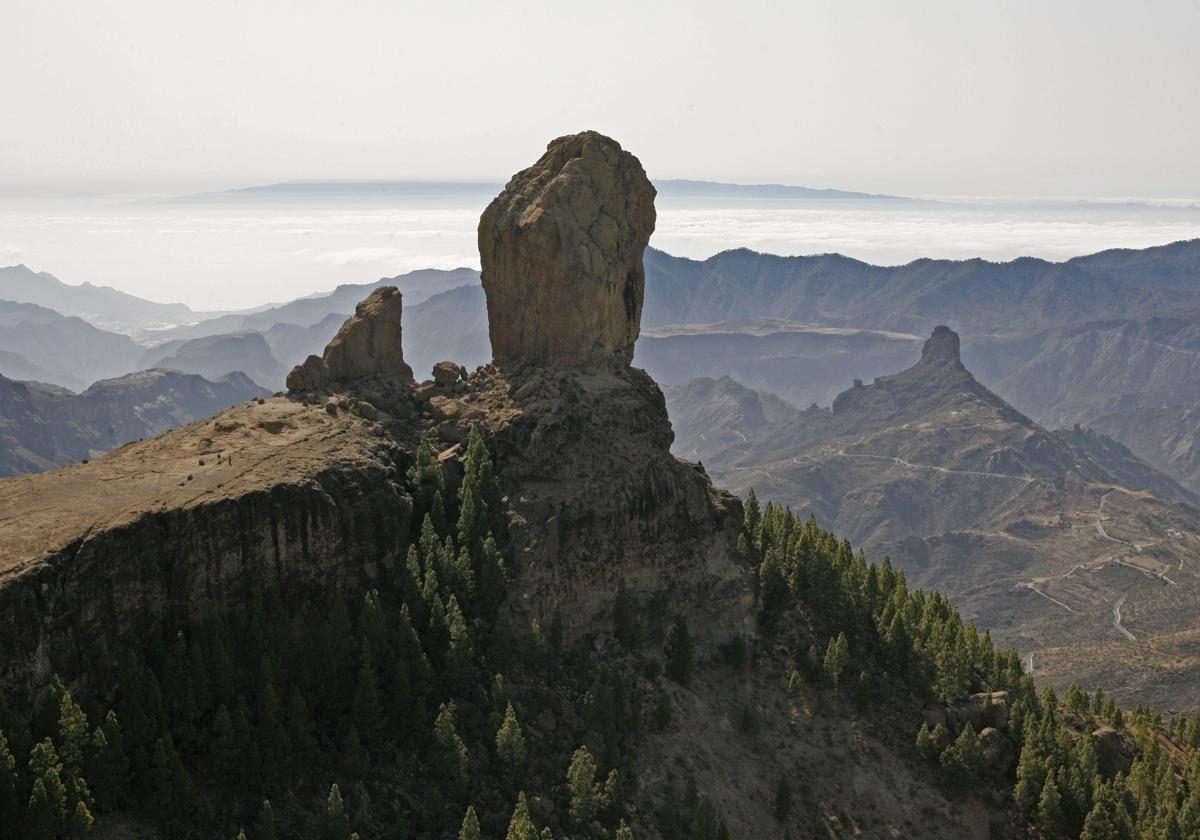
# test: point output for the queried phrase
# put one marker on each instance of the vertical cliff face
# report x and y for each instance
(369, 344)
(581, 439)
(561, 249)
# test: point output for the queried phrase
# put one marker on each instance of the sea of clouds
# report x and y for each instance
(216, 256)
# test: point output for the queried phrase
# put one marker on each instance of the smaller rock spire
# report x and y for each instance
(941, 346)
(368, 344)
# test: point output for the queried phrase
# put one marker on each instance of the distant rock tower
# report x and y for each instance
(561, 249)
(941, 347)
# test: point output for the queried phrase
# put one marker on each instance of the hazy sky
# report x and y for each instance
(961, 97)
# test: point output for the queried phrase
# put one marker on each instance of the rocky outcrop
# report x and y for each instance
(594, 498)
(368, 345)
(561, 249)
(307, 492)
(942, 347)
(272, 494)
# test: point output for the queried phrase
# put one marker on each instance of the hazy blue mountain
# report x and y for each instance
(976, 296)
(802, 363)
(67, 350)
(215, 356)
(101, 306)
(16, 366)
(484, 191)
(679, 188)
(416, 286)
(452, 325)
(291, 344)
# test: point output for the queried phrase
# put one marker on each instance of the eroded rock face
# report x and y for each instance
(368, 344)
(941, 347)
(561, 249)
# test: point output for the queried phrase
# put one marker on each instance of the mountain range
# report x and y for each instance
(1108, 341)
(1035, 534)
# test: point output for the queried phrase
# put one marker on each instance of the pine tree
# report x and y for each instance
(460, 654)
(1031, 775)
(783, 799)
(264, 826)
(1050, 820)
(581, 787)
(335, 825)
(470, 825)
(40, 819)
(46, 771)
(963, 759)
(837, 658)
(367, 708)
(354, 754)
(623, 832)
(925, 748)
(9, 784)
(772, 586)
(521, 826)
(450, 753)
(510, 743)
(679, 652)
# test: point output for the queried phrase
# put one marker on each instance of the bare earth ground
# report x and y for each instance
(245, 448)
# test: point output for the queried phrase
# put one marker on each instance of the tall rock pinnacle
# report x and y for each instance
(367, 345)
(942, 346)
(561, 249)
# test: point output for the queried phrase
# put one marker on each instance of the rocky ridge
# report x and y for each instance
(1034, 533)
(304, 490)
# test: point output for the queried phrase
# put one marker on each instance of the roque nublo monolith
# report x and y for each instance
(561, 249)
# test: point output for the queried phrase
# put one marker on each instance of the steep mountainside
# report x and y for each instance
(538, 585)
(802, 363)
(975, 499)
(43, 426)
(709, 416)
(1133, 379)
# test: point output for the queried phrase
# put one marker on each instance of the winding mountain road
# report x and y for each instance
(1117, 619)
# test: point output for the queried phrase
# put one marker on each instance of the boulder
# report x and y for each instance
(998, 752)
(561, 250)
(445, 374)
(1112, 754)
(368, 344)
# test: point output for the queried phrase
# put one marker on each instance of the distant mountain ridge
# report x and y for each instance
(42, 426)
(970, 496)
(102, 306)
(677, 188)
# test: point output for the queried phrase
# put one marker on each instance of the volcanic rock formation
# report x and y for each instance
(942, 346)
(561, 249)
(368, 344)
(309, 495)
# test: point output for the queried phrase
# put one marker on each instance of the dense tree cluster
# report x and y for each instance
(270, 721)
(875, 623)
(253, 714)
